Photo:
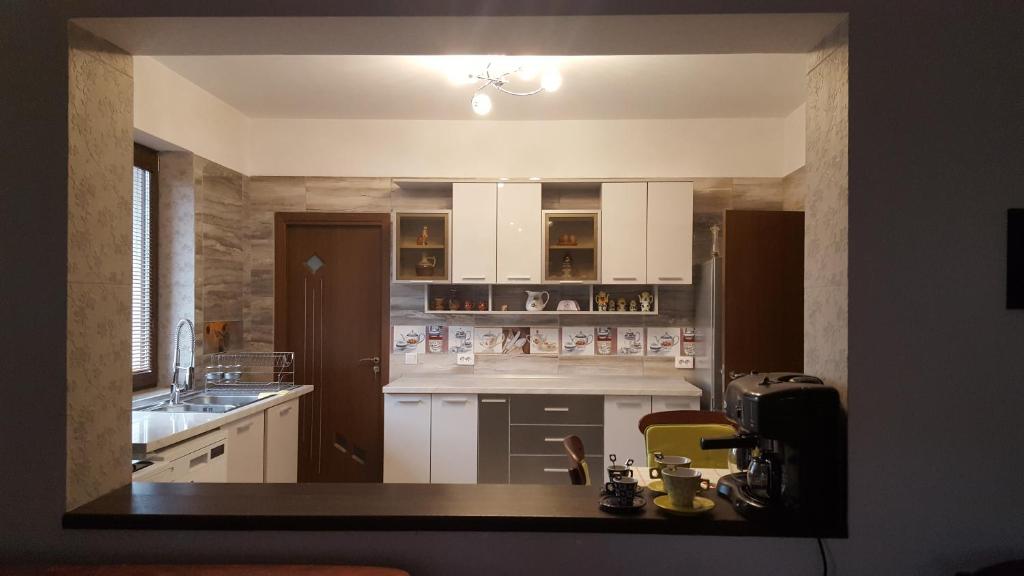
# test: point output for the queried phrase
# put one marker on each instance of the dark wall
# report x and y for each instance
(936, 365)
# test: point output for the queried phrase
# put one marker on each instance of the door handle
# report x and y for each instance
(374, 359)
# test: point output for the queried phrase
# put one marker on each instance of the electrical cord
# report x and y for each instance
(824, 559)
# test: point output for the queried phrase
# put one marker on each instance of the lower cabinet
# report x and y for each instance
(622, 435)
(666, 403)
(245, 454)
(407, 438)
(492, 440)
(453, 439)
(281, 449)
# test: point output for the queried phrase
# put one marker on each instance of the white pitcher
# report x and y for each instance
(536, 301)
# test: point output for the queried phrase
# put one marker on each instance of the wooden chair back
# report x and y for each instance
(579, 474)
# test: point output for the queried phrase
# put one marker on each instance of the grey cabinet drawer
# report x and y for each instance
(548, 469)
(556, 409)
(547, 439)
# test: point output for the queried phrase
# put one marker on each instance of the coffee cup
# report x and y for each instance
(682, 485)
(617, 470)
(623, 489)
(663, 462)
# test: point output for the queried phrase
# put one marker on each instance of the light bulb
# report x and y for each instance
(481, 103)
(551, 81)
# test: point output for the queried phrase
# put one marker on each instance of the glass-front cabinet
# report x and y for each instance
(422, 246)
(571, 246)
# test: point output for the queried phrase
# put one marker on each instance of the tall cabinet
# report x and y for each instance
(670, 232)
(474, 234)
(519, 233)
(624, 233)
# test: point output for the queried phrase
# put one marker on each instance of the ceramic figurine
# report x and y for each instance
(602, 301)
(504, 307)
(481, 306)
(646, 301)
(621, 305)
(567, 266)
(424, 237)
(438, 303)
(468, 305)
(632, 306)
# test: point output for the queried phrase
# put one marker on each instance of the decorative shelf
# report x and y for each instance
(496, 295)
(411, 260)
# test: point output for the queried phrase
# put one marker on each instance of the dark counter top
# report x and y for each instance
(474, 507)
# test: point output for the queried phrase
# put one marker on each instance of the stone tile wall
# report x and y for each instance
(827, 214)
(99, 267)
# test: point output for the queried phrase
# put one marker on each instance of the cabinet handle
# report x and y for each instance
(474, 277)
(668, 278)
(554, 439)
(493, 400)
(409, 401)
(622, 403)
(244, 428)
(518, 277)
(284, 411)
(555, 409)
(454, 400)
(570, 281)
(623, 278)
(198, 461)
(559, 470)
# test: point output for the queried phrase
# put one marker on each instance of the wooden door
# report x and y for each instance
(763, 303)
(332, 309)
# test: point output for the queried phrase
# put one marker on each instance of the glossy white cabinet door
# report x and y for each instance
(281, 457)
(519, 233)
(407, 438)
(453, 438)
(474, 236)
(670, 232)
(622, 435)
(666, 403)
(624, 233)
(245, 453)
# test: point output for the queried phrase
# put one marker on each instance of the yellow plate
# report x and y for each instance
(700, 505)
(656, 486)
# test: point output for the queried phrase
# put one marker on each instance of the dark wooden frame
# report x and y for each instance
(282, 220)
(148, 159)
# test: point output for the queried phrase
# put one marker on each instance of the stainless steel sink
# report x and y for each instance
(218, 400)
(213, 408)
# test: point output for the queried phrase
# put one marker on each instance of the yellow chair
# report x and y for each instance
(678, 433)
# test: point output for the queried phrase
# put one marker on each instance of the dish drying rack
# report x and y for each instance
(250, 370)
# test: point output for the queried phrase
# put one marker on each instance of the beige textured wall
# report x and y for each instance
(827, 212)
(99, 267)
(176, 277)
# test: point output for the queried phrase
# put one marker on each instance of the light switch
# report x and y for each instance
(410, 358)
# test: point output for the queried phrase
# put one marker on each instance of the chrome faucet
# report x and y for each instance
(181, 378)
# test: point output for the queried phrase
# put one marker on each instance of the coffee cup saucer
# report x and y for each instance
(611, 504)
(657, 486)
(700, 505)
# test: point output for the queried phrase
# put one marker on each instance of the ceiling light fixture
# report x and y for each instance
(550, 81)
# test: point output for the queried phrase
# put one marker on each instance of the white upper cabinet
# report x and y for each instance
(624, 233)
(669, 232)
(474, 235)
(519, 233)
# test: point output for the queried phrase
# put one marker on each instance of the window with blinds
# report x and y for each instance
(143, 275)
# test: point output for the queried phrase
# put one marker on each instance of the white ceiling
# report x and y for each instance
(417, 87)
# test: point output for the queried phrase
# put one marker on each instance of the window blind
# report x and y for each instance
(142, 273)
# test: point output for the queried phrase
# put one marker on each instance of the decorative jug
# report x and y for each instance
(536, 301)
(426, 265)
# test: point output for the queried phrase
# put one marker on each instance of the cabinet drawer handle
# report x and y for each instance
(623, 403)
(244, 428)
(454, 400)
(554, 439)
(410, 401)
(678, 278)
(284, 411)
(623, 278)
(518, 277)
(570, 281)
(555, 409)
(493, 400)
(474, 277)
(559, 470)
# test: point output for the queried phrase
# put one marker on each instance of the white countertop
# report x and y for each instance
(520, 384)
(155, 430)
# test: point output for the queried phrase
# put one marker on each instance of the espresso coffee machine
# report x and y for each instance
(791, 449)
